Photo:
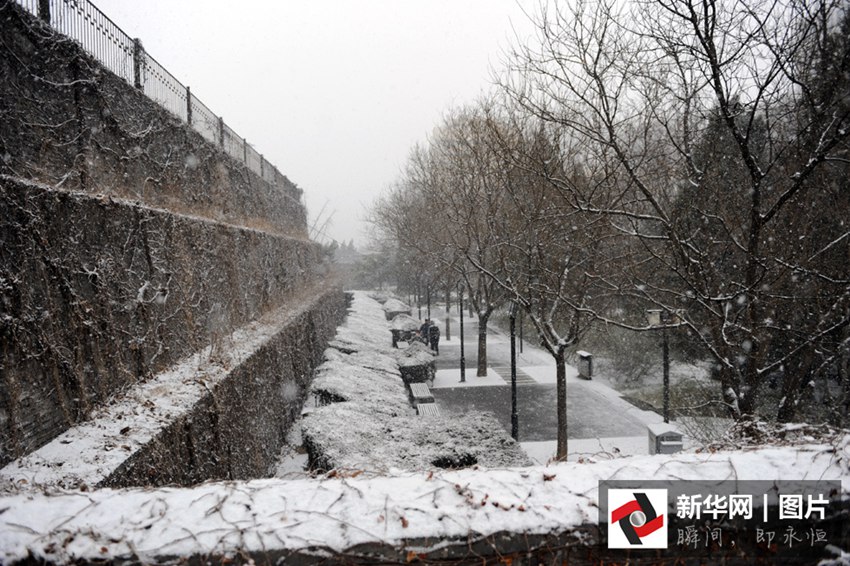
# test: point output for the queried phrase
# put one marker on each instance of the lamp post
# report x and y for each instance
(521, 325)
(663, 318)
(514, 417)
(460, 310)
(448, 313)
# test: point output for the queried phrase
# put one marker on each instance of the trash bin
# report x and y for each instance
(664, 439)
(585, 364)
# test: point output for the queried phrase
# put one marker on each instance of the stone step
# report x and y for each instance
(522, 378)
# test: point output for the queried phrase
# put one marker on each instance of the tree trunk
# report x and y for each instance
(561, 378)
(752, 381)
(844, 375)
(448, 313)
(729, 391)
(844, 380)
(482, 344)
(795, 375)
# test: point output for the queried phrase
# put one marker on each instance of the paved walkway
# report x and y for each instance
(599, 421)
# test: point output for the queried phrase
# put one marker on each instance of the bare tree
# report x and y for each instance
(647, 90)
(547, 249)
(439, 214)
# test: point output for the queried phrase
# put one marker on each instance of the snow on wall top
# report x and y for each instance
(266, 515)
(352, 437)
(405, 322)
(341, 381)
(416, 354)
(87, 454)
(394, 305)
(358, 367)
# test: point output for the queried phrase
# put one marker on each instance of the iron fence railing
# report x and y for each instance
(83, 22)
(234, 145)
(162, 87)
(204, 121)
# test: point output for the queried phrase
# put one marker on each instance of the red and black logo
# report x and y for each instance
(637, 518)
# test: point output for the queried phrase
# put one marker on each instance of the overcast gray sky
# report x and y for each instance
(333, 92)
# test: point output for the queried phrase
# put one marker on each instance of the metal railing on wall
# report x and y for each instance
(83, 22)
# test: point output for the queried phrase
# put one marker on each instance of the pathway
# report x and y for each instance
(598, 419)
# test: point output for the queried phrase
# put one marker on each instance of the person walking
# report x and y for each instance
(434, 338)
(424, 331)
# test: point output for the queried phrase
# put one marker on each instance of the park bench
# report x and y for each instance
(420, 393)
(427, 409)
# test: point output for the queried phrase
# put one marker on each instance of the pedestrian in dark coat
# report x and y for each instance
(434, 338)
(424, 331)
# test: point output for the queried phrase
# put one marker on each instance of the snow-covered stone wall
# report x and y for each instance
(222, 416)
(100, 295)
(513, 516)
(69, 122)
(129, 244)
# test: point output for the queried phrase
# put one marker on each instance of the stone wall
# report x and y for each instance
(236, 430)
(127, 243)
(98, 294)
(68, 122)
(534, 515)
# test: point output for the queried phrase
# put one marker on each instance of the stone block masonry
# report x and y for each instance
(98, 294)
(129, 245)
(68, 122)
(202, 418)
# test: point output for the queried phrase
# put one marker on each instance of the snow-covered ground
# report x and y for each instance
(292, 461)
(367, 421)
(264, 515)
(539, 366)
(588, 449)
(547, 373)
(357, 506)
(451, 378)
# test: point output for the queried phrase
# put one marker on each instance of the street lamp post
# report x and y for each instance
(521, 325)
(448, 313)
(662, 318)
(514, 416)
(460, 310)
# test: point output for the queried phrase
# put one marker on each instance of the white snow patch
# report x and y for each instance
(446, 378)
(367, 421)
(589, 449)
(267, 515)
(548, 374)
(405, 322)
(393, 305)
